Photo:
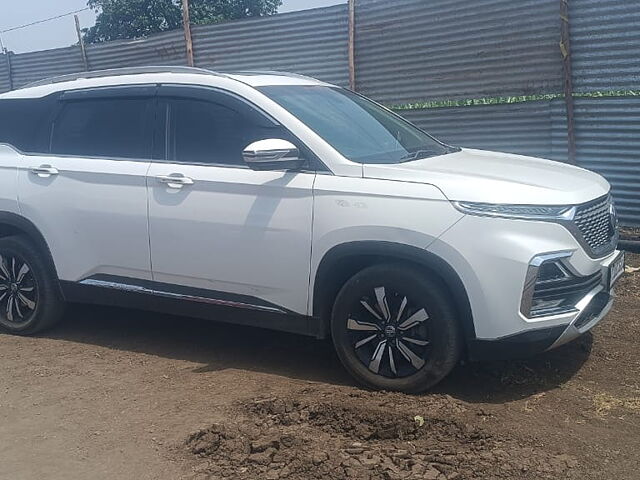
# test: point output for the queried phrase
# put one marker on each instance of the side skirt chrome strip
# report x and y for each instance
(179, 296)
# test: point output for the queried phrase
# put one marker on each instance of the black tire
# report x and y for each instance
(30, 300)
(354, 323)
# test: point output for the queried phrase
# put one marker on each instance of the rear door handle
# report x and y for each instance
(44, 171)
(175, 180)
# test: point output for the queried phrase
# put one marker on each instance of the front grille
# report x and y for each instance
(596, 225)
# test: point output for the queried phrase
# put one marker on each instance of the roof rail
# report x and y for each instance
(268, 72)
(119, 71)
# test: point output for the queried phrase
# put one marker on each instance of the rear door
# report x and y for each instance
(88, 194)
(224, 231)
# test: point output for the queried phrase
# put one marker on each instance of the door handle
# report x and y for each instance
(175, 180)
(44, 171)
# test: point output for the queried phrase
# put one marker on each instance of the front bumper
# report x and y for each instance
(530, 343)
(492, 257)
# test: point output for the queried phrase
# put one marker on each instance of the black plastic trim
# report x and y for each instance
(111, 91)
(565, 288)
(522, 345)
(188, 301)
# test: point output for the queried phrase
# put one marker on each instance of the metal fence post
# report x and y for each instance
(352, 41)
(565, 49)
(7, 54)
(186, 22)
(83, 50)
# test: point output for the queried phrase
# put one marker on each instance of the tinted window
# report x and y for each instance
(25, 123)
(109, 127)
(203, 131)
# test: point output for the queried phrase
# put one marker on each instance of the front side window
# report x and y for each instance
(358, 128)
(103, 127)
(202, 131)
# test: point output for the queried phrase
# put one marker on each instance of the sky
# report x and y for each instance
(61, 32)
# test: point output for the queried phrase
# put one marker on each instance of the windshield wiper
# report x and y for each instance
(418, 155)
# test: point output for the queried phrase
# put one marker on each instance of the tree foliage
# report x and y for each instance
(119, 19)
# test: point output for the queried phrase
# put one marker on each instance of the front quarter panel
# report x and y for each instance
(351, 209)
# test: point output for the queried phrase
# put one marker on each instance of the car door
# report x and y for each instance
(224, 231)
(88, 194)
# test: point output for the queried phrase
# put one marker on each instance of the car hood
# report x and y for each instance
(492, 177)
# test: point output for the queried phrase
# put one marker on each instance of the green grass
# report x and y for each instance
(508, 100)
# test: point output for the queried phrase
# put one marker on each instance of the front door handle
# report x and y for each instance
(44, 171)
(175, 180)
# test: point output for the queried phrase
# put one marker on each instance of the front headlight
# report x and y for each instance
(527, 212)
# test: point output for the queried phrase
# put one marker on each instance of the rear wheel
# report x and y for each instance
(394, 328)
(29, 298)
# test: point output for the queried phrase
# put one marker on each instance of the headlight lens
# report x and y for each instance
(529, 212)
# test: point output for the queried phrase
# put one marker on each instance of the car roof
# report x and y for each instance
(161, 74)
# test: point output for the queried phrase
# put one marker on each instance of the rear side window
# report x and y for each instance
(104, 127)
(202, 131)
(25, 123)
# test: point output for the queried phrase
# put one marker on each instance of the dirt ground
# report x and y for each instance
(120, 394)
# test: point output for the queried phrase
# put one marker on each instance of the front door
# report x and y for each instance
(216, 227)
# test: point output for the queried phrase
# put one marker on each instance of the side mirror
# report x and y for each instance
(272, 154)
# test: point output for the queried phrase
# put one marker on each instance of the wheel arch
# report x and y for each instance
(14, 224)
(342, 261)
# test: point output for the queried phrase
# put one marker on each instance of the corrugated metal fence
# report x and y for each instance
(415, 50)
(312, 43)
(416, 54)
(606, 56)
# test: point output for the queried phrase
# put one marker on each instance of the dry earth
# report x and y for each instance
(120, 394)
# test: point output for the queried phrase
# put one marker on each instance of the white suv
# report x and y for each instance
(300, 206)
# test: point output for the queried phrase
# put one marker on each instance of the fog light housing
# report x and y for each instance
(551, 288)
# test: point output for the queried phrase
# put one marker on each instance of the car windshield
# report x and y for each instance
(359, 129)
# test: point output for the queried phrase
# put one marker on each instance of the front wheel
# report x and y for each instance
(394, 328)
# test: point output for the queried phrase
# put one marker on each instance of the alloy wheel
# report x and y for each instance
(18, 290)
(389, 333)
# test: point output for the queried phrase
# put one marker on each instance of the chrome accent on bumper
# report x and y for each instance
(577, 327)
(572, 332)
(532, 277)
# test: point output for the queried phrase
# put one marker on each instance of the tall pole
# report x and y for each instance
(187, 32)
(352, 47)
(565, 50)
(83, 50)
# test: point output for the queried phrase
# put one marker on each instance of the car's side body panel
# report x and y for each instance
(234, 230)
(9, 158)
(348, 209)
(92, 213)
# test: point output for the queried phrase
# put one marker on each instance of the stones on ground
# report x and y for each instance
(333, 437)
(264, 443)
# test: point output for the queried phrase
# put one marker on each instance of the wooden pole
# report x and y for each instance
(83, 50)
(352, 41)
(187, 32)
(565, 50)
